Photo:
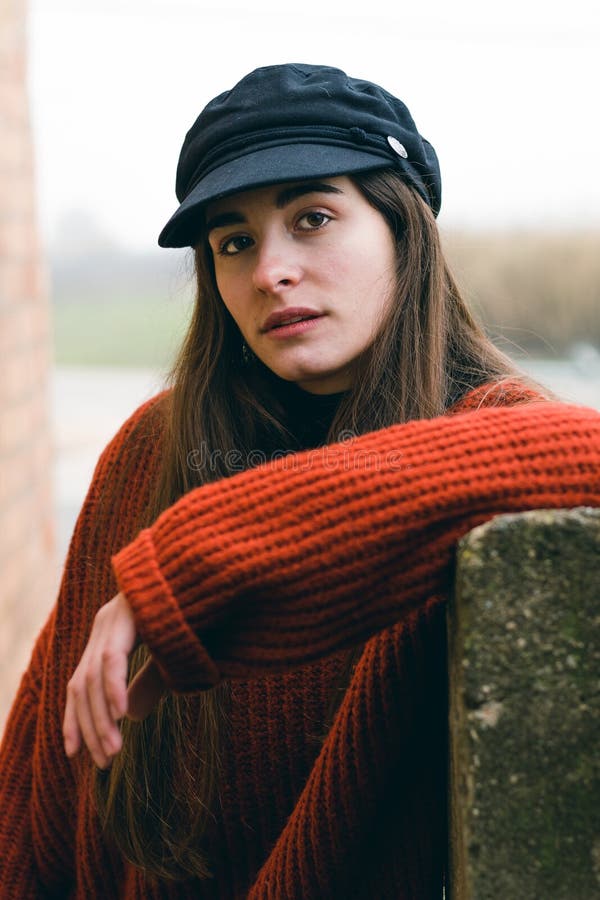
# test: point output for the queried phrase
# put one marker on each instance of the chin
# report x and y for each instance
(313, 378)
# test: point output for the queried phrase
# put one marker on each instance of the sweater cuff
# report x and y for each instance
(182, 659)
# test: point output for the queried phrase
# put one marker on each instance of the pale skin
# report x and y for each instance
(98, 695)
(318, 247)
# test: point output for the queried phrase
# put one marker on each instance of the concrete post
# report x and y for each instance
(524, 635)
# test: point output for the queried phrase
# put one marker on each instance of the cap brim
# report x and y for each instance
(273, 165)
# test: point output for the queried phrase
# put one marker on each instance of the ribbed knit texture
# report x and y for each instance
(267, 578)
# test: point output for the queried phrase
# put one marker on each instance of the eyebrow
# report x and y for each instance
(283, 198)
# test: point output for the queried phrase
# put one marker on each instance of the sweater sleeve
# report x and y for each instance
(316, 552)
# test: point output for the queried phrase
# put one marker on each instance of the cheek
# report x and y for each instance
(238, 304)
(381, 268)
(345, 268)
(369, 256)
(229, 293)
(222, 284)
(369, 275)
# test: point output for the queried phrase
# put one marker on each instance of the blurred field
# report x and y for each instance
(119, 331)
(115, 308)
(538, 295)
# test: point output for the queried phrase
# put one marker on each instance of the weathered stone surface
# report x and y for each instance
(524, 633)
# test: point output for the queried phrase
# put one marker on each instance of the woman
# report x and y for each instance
(285, 733)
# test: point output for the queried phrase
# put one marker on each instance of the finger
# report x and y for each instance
(114, 675)
(71, 731)
(103, 723)
(145, 691)
(88, 731)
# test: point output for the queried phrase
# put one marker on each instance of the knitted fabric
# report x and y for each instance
(266, 579)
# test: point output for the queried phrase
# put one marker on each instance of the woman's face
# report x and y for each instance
(306, 269)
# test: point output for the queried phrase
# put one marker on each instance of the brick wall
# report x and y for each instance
(27, 574)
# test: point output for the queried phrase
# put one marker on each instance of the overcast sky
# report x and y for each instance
(507, 94)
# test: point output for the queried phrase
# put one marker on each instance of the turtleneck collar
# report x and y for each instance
(309, 416)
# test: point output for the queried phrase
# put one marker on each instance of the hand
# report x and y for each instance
(97, 694)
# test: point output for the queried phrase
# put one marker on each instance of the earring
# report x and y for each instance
(246, 354)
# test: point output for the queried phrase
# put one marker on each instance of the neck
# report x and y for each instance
(309, 416)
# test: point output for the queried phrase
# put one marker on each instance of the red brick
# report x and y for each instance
(15, 150)
(21, 423)
(16, 185)
(16, 522)
(27, 567)
(19, 325)
(24, 281)
(13, 482)
(13, 579)
(17, 237)
(12, 106)
(24, 371)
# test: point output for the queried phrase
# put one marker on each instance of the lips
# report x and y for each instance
(289, 316)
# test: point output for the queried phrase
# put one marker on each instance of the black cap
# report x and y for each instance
(291, 122)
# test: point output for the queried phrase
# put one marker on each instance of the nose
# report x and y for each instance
(277, 266)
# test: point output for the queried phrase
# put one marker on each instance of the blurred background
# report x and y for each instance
(95, 99)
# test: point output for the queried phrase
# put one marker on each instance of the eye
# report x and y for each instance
(233, 245)
(313, 220)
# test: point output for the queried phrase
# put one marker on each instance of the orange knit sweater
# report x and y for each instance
(266, 578)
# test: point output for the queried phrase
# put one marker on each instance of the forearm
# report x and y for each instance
(313, 553)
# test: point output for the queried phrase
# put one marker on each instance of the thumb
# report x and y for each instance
(145, 691)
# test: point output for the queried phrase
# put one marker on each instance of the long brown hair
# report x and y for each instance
(160, 796)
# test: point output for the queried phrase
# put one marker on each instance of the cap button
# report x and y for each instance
(397, 147)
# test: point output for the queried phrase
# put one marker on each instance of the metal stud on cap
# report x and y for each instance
(397, 147)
